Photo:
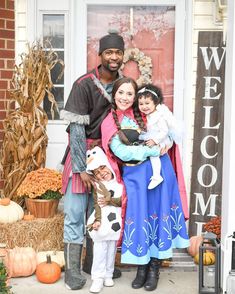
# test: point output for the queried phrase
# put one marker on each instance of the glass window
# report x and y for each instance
(53, 29)
(56, 70)
(54, 32)
(58, 93)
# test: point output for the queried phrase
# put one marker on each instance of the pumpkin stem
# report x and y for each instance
(48, 258)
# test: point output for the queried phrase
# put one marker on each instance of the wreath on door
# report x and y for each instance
(144, 64)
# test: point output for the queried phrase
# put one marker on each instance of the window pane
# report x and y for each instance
(59, 97)
(56, 70)
(53, 29)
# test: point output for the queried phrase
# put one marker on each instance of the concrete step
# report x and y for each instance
(181, 260)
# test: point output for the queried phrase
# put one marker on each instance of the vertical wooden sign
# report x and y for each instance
(206, 180)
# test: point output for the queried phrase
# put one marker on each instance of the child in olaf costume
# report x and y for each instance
(104, 224)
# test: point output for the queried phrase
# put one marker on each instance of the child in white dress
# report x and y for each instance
(162, 126)
(104, 224)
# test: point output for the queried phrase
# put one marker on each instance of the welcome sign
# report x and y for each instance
(206, 180)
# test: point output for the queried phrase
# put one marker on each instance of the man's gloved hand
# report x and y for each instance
(87, 180)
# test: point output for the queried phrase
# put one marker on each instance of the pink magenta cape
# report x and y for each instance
(109, 129)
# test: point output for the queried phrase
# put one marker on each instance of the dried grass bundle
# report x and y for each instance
(25, 139)
(42, 233)
(32, 78)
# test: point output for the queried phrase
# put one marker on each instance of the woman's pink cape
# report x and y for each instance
(177, 164)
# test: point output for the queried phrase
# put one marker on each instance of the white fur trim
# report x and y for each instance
(73, 117)
(100, 86)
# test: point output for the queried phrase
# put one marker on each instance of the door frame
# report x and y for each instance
(181, 53)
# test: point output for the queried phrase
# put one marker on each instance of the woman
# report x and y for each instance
(154, 220)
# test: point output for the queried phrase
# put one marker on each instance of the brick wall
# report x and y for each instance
(7, 57)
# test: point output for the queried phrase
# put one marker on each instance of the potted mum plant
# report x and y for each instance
(41, 190)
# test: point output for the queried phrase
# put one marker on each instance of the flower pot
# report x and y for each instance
(41, 208)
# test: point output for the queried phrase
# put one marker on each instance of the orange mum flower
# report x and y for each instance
(43, 182)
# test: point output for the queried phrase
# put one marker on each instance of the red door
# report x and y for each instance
(150, 29)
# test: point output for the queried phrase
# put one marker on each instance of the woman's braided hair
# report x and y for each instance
(136, 111)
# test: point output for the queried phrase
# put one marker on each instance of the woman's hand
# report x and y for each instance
(150, 143)
(164, 150)
(87, 180)
(96, 225)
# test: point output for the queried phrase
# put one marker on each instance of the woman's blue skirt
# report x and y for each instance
(154, 222)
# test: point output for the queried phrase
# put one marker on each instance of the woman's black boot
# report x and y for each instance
(153, 274)
(141, 276)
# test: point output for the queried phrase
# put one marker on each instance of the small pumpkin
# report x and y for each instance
(28, 217)
(48, 272)
(56, 256)
(21, 261)
(195, 242)
(208, 258)
(10, 213)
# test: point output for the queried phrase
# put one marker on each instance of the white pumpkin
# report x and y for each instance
(56, 256)
(11, 213)
(21, 261)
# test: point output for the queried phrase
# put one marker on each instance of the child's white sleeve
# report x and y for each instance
(157, 133)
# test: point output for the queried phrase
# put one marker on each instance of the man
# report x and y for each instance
(88, 103)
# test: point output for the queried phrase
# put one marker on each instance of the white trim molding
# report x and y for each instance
(228, 203)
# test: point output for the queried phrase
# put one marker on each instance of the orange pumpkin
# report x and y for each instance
(48, 272)
(195, 242)
(5, 201)
(28, 217)
(21, 262)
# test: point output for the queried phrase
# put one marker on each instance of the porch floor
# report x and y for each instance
(172, 280)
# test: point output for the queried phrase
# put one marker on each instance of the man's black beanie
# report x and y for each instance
(112, 40)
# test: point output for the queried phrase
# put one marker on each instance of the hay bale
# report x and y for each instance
(42, 233)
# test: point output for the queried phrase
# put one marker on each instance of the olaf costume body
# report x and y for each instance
(162, 128)
(105, 238)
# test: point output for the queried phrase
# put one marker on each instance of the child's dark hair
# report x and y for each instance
(152, 91)
(136, 111)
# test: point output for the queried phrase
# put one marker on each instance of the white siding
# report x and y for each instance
(228, 216)
(20, 27)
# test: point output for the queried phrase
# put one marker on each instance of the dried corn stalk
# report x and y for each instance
(25, 139)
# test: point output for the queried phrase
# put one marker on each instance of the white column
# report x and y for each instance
(228, 188)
